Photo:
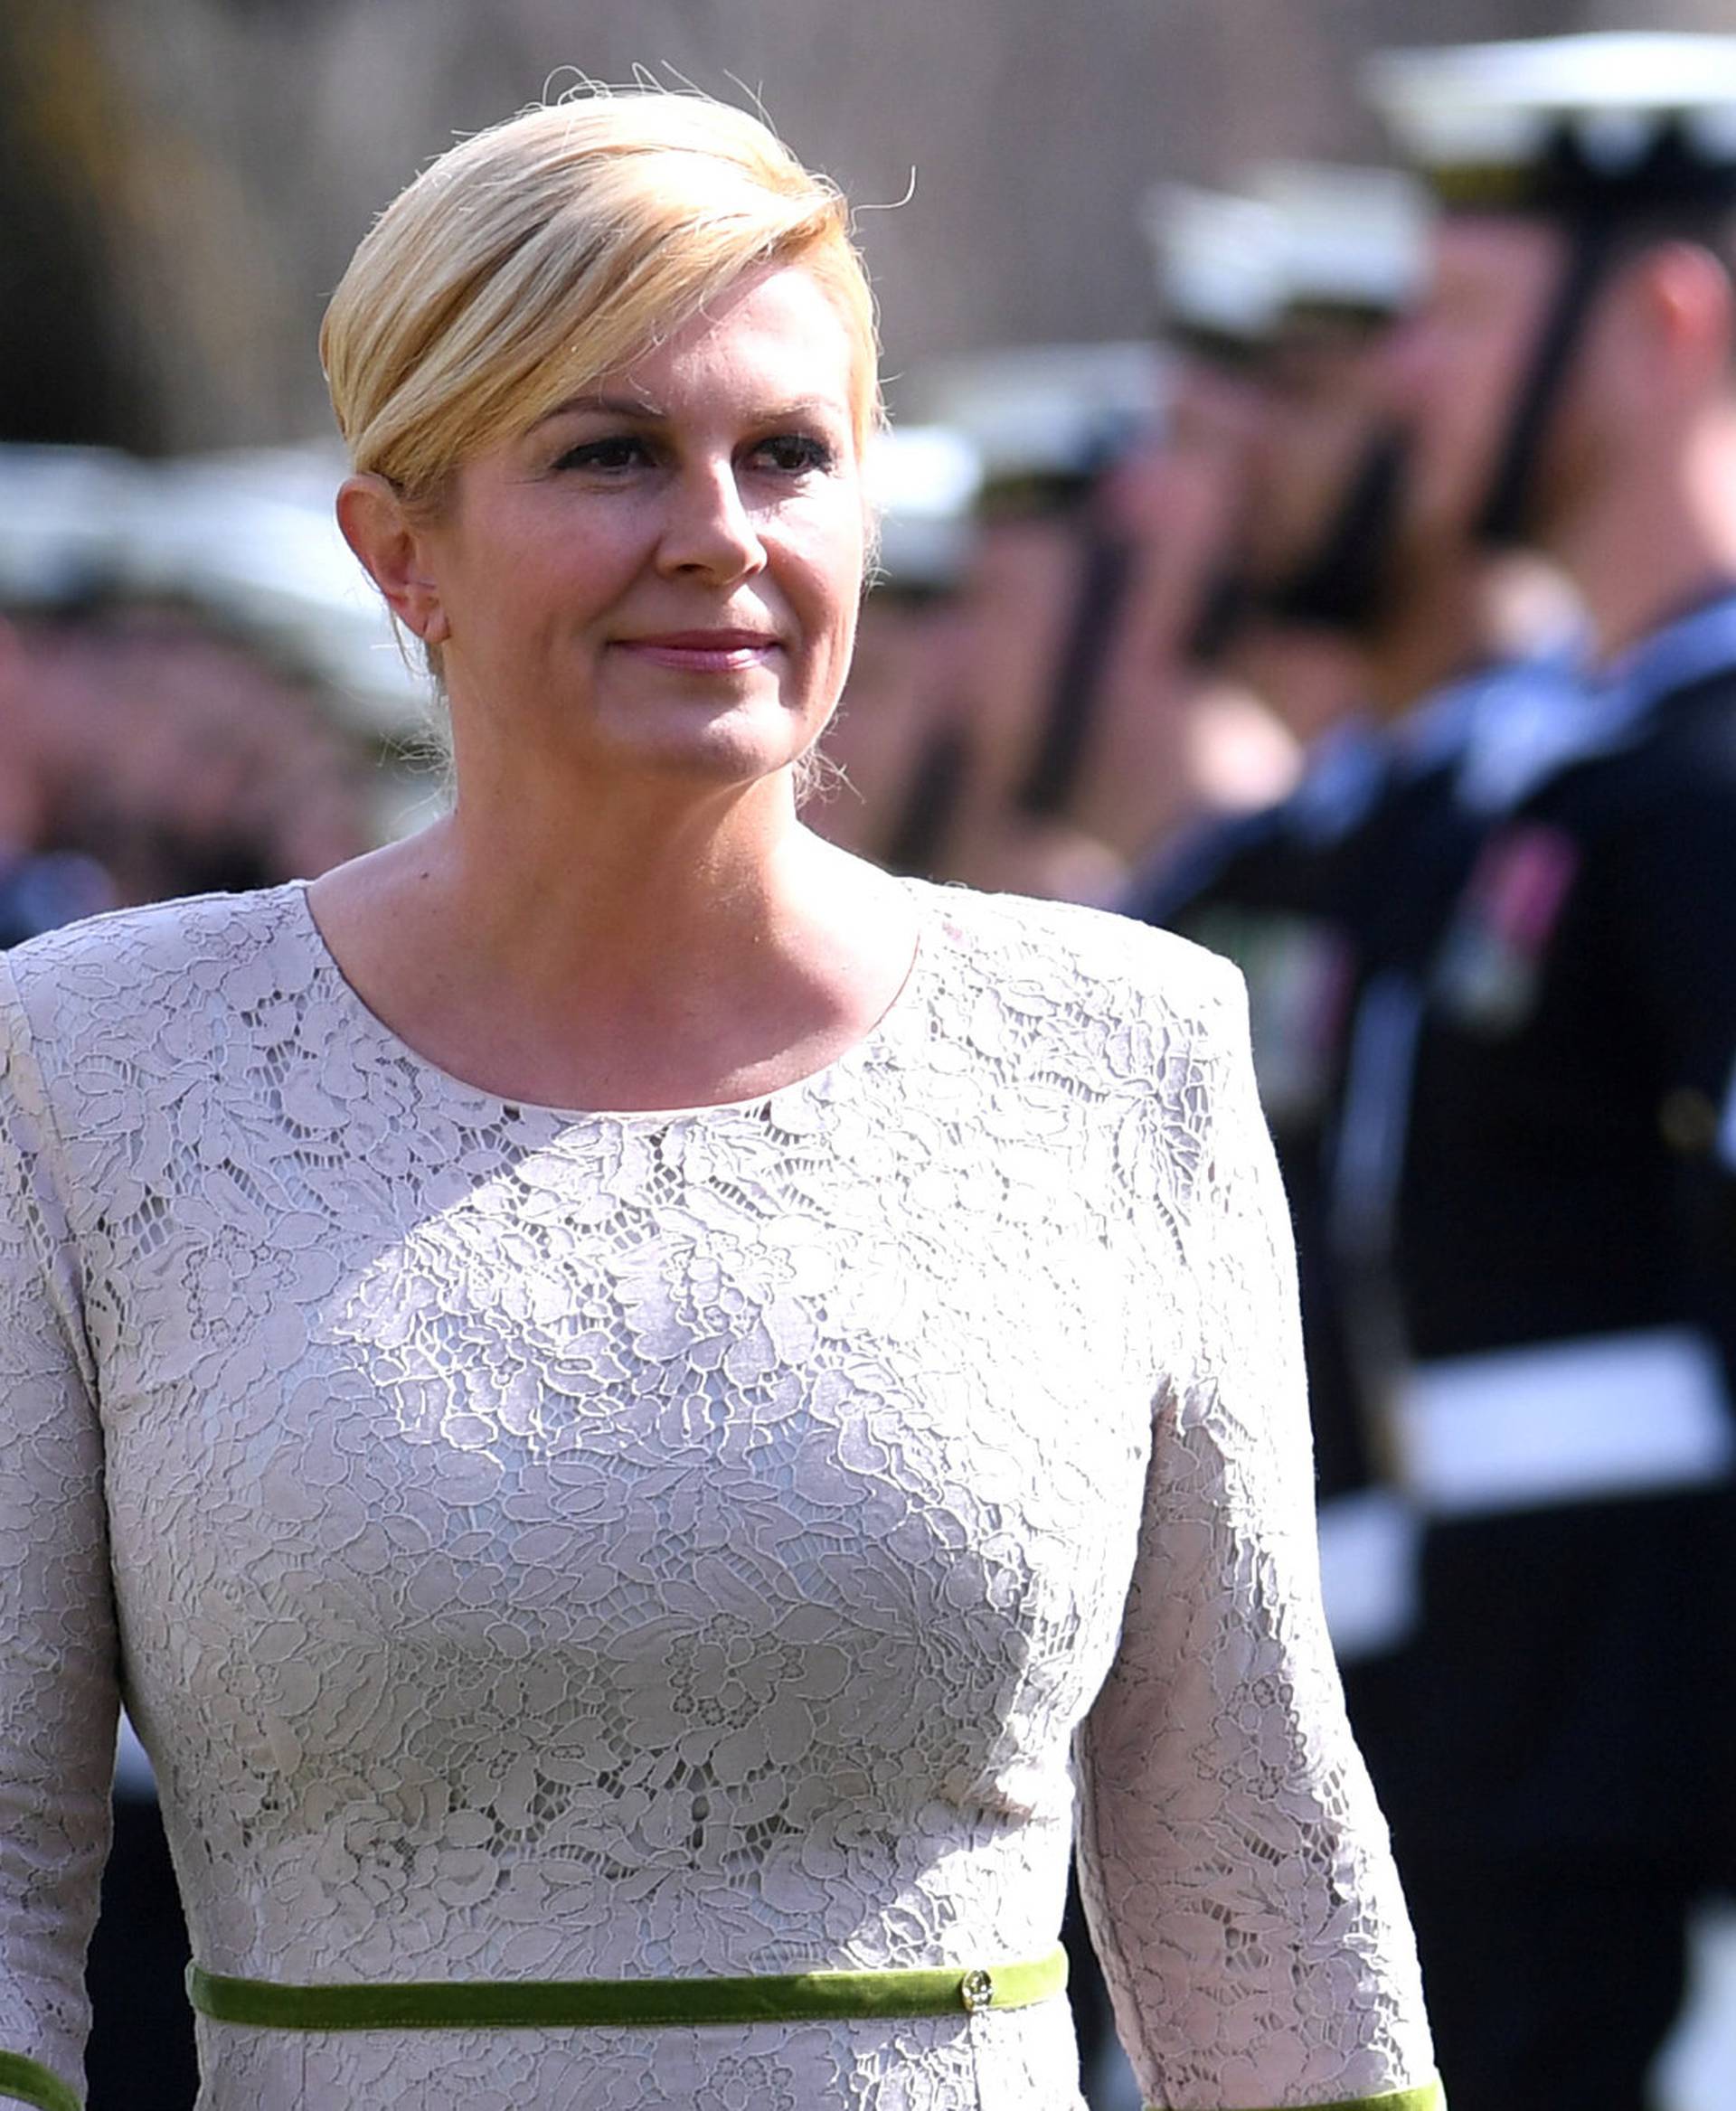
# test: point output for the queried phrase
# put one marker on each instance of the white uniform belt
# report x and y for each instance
(1368, 1571)
(1575, 1421)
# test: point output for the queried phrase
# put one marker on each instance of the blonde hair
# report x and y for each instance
(536, 256)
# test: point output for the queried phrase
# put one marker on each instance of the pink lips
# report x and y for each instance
(702, 652)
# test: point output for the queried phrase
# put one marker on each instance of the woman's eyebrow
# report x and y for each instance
(602, 405)
(807, 407)
(636, 407)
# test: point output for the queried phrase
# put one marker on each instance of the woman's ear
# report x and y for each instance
(394, 554)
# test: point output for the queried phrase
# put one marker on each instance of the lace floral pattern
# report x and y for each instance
(549, 1545)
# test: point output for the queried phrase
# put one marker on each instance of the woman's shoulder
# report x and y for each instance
(1096, 955)
(136, 977)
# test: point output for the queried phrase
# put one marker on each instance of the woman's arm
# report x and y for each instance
(1234, 1865)
(58, 1681)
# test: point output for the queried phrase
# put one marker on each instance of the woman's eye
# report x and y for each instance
(623, 451)
(794, 453)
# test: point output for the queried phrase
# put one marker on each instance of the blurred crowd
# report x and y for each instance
(1124, 590)
(1373, 623)
(193, 694)
(148, 754)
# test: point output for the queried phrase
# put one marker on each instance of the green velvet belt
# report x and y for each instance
(1428, 2098)
(796, 1997)
(28, 2081)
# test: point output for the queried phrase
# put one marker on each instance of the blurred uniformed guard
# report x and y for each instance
(1561, 1239)
(1296, 895)
(1272, 890)
(1220, 292)
(1038, 608)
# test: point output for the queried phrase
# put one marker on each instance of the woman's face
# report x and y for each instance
(662, 577)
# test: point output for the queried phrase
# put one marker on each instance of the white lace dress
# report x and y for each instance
(548, 1545)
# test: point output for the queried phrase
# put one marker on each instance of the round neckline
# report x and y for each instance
(878, 1038)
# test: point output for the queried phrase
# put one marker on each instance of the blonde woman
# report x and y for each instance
(636, 1408)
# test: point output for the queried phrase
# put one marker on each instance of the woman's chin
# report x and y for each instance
(729, 739)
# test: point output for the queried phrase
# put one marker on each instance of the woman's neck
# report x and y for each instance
(615, 893)
(622, 959)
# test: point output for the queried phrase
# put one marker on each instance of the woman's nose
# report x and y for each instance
(707, 527)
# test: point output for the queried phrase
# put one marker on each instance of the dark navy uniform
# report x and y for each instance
(1563, 1257)
(1558, 1268)
(1459, 762)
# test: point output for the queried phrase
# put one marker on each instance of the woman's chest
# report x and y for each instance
(644, 1419)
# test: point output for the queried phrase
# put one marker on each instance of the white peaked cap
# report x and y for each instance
(1353, 236)
(922, 482)
(250, 537)
(1500, 104)
(1042, 409)
(68, 520)
(1218, 259)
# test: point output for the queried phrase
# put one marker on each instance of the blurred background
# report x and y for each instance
(197, 692)
(183, 181)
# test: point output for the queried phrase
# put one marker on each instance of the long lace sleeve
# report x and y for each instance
(1235, 1864)
(57, 1626)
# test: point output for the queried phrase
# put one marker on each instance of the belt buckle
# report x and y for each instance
(977, 1991)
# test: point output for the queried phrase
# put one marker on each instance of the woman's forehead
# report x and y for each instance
(774, 342)
(779, 318)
